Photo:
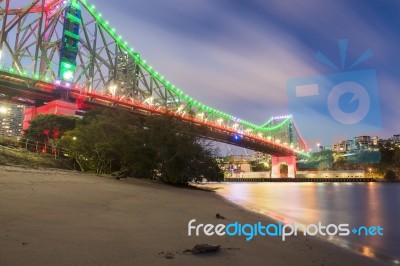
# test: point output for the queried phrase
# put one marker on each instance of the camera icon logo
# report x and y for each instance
(341, 104)
(359, 93)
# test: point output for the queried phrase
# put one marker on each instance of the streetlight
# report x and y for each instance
(113, 90)
(3, 110)
(149, 100)
(180, 108)
(319, 146)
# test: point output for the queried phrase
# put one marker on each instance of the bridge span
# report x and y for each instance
(62, 56)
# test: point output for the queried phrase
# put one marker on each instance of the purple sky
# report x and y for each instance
(237, 55)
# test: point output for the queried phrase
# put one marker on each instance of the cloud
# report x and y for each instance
(234, 71)
(238, 58)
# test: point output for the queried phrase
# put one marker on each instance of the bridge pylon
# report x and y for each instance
(277, 161)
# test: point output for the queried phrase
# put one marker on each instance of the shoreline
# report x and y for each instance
(355, 248)
(60, 217)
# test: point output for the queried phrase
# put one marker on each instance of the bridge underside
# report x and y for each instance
(20, 90)
(68, 108)
(30, 92)
(244, 142)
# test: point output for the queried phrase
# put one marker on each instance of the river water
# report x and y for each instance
(356, 204)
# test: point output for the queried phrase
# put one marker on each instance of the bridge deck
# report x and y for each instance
(29, 91)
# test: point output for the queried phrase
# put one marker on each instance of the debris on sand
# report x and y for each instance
(169, 255)
(219, 216)
(203, 248)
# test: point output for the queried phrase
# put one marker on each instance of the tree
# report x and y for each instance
(387, 160)
(45, 127)
(259, 166)
(101, 141)
(156, 147)
(181, 157)
(48, 129)
(364, 157)
(396, 158)
(318, 160)
(390, 175)
(339, 162)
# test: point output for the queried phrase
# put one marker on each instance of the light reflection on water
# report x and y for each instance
(356, 204)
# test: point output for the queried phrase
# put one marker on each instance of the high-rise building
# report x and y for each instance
(364, 142)
(344, 146)
(260, 157)
(396, 139)
(11, 120)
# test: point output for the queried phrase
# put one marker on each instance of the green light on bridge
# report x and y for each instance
(67, 70)
(266, 127)
(68, 75)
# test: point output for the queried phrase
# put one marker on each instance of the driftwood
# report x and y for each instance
(203, 248)
(122, 173)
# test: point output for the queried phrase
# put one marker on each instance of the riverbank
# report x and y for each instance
(20, 156)
(56, 217)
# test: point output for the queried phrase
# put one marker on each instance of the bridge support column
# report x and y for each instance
(56, 107)
(290, 161)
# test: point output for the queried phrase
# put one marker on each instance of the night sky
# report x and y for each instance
(237, 56)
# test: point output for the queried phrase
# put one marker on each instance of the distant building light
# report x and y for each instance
(3, 110)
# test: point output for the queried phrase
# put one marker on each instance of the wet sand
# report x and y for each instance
(56, 217)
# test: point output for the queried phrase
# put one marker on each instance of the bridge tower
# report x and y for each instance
(67, 66)
(291, 137)
(69, 42)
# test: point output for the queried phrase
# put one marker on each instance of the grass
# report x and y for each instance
(22, 157)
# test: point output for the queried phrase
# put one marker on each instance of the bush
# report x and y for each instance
(156, 147)
(45, 127)
(390, 175)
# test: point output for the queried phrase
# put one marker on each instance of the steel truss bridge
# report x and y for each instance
(59, 49)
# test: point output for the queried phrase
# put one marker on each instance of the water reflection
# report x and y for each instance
(358, 204)
(366, 251)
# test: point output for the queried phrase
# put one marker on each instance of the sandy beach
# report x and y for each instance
(56, 217)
